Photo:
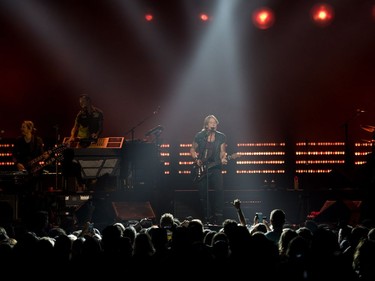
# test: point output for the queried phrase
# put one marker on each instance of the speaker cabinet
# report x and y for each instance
(8, 207)
(125, 211)
(334, 211)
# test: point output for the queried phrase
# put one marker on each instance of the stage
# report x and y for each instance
(104, 207)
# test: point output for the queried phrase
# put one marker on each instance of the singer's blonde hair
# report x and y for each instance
(207, 119)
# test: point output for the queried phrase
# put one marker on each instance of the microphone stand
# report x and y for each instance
(205, 168)
(57, 138)
(131, 168)
(132, 130)
(207, 193)
(349, 161)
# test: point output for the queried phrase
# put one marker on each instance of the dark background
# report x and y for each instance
(295, 81)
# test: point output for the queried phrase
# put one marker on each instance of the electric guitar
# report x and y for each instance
(38, 163)
(199, 172)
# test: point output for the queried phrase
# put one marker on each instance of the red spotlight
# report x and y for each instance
(322, 14)
(149, 17)
(263, 18)
(204, 17)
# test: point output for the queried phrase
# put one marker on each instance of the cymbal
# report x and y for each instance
(368, 128)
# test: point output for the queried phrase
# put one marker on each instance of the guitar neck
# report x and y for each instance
(37, 159)
(31, 164)
(228, 157)
(47, 162)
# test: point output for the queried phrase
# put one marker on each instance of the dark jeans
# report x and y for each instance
(211, 188)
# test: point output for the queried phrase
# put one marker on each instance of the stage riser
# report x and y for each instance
(296, 204)
(186, 203)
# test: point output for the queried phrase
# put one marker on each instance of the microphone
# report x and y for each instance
(155, 131)
(210, 130)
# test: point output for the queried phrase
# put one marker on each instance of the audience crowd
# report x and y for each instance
(188, 248)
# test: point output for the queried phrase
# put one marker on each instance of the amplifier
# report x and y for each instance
(13, 177)
(8, 207)
(76, 200)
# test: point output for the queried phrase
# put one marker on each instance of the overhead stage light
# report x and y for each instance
(204, 17)
(263, 18)
(322, 14)
(149, 17)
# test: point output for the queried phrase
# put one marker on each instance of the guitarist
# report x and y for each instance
(27, 147)
(209, 153)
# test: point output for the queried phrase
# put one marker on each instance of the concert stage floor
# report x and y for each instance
(104, 207)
